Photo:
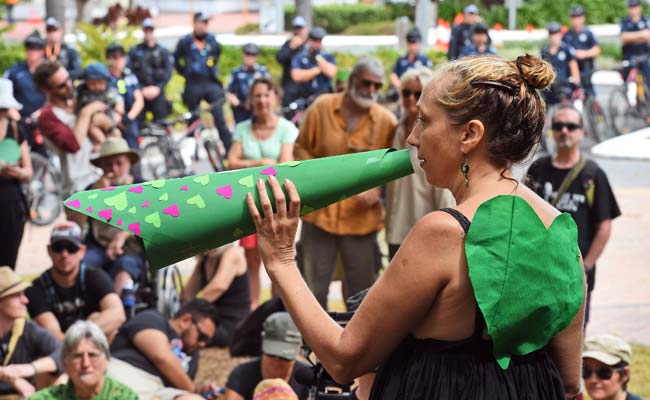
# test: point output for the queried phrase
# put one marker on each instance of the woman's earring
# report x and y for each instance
(464, 168)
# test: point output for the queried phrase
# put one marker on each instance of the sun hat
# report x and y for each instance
(7, 99)
(10, 282)
(113, 146)
(608, 349)
(281, 337)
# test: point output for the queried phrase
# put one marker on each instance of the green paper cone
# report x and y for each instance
(178, 218)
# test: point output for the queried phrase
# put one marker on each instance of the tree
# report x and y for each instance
(303, 8)
(56, 9)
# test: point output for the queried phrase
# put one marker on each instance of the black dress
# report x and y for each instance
(428, 369)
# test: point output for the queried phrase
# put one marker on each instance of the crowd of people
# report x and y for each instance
(465, 122)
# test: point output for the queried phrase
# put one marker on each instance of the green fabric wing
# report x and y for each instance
(527, 280)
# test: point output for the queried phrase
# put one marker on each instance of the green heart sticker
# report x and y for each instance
(196, 201)
(132, 210)
(163, 197)
(93, 196)
(203, 179)
(290, 163)
(118, 201)
(158, 184)
(247, 181)
(153, 219)
(237, 232)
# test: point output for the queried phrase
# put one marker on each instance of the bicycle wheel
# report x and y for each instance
(170, 290)
(158, 162)
(597, 121)
(214, 155)
(621, 113)
(43, 192)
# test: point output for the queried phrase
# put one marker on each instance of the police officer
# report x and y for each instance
(587, 48)
(196, 58)
(412, 58)
(563, 59)
(480, 42)
(129, 88)
(25, 90)
(312, 69)
(152, 65)
(289, 49)
(635, 35)
(57, 50)
(241, 79)
(461, 33)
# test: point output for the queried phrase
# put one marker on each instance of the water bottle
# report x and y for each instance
(128, 298)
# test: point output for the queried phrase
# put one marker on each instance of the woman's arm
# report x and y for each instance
(286, 153)
(235, 157)
(231, 265)
(193, 284)
(395, 305)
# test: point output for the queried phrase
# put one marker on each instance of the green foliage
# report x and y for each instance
(336, 17)
(97, 39)
(247, 29)
(10, 53)
(371, 28)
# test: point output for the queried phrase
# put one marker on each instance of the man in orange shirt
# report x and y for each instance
(344, 123)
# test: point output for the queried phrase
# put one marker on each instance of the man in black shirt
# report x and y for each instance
(461, 34)
(281, 342)
(152, 355)
(289, 49)
(578, 186)
(70, 291)
(26, 349)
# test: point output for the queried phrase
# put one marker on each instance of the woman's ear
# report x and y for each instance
(472, 135)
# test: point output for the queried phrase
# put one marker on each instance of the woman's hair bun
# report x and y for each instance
(536, 72)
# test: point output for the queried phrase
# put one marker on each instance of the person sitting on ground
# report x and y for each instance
(70, 290)
(281, 342)
(114, 250)
(153, 355)
(26, 349)
(606, 368)
(274, 389)
(220, 277)
(85, 356)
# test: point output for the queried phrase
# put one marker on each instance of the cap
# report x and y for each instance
(34, 41)
(114, 48)
(608, 349)
(274, 389)
(554, 27)
(114, 146)
(201, 16)
(471, 9)
(147, 23)
(577, 11)
(52, 22)
(251, 48)
(66, 232)
(299, 22)
(633, 3)
(281, 337)
(480, 28)
(96, 70)
(317, 33)
(7, 99)
(413, 35)
(10, 282)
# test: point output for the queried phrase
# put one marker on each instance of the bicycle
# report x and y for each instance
(164, 157)
(161, 289)
(629, 105)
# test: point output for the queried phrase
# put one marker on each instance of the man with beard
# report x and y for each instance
(344, 123)
(575, 184)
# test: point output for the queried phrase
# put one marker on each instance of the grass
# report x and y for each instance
(640, 381)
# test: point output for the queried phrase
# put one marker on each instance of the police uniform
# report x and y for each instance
(240, 81)
(583, 40)
(560, 62)
(197, 62)
(461, 36)
(318, 85)
(67, 56)
(126, 86)
(25, 90)
(472, 50)
(153, 67)
(634, 50)
(403, 64)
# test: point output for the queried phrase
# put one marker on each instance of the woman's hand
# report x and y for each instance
(275, 231)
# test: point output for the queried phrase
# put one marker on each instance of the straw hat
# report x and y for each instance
(10, 282)
(113, 146)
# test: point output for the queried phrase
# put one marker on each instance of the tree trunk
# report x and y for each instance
(303, 8)
(56, 9)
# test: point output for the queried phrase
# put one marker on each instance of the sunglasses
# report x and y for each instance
(558, 126)
(367, 83)
(203, 337)
(69, 247)
(407, 93)
(603, 373)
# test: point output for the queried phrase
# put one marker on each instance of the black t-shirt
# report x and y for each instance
(124, 349)
(34, 343)
(73, 303)
(246, 376)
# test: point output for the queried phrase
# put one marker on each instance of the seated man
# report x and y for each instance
(220, 276)
(26, 349)
(281, 342)
(152, 355)
(114, 250)
(70, 290)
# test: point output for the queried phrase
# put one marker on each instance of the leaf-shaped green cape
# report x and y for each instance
(527, 280)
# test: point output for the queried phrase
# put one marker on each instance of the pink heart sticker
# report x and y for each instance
(107, 214)
(171, 210)
(145, 204)
(73, 203)
(184, 187)
(225, 191)
(109, 188)
(135, 228)
(269, 171)
(120, 222)
(136, 189)
(89, 209)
